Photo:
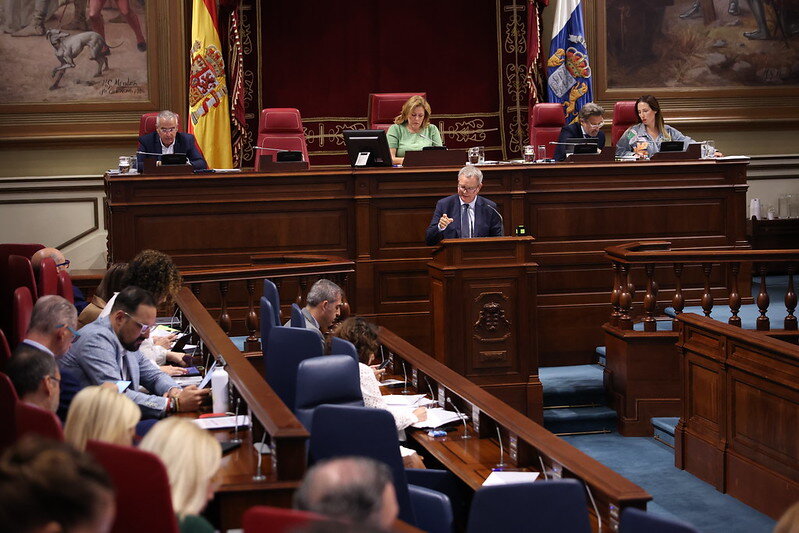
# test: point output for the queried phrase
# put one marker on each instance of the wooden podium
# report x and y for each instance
(483, 300)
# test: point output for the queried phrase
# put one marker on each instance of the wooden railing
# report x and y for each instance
(528, 445)
(649, 255)
(292, 273)
(287, 434)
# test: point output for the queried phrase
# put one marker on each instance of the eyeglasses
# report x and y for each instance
(75, 334)
(144, 327)
(167, 130)
(57, 380)
(467, 189)
(65, 264)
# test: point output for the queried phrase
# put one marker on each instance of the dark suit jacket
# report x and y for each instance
(487, 223)
(573, 131)
(184, 144)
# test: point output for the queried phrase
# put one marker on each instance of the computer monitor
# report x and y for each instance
(367, 148)
(672, 146)
(582, 145)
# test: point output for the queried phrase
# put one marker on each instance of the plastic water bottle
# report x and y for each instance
(219, 381)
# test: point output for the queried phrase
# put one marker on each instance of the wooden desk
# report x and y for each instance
(528, 445)
(377, 217)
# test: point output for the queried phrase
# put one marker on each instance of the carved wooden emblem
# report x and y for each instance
(492, 325)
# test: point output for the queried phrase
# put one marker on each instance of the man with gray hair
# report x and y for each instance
(352, 489)
(465, 215)
(590, 121)
(53, 325)
(166, 139)
(322, 306)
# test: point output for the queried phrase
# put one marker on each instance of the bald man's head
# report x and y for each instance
(53, 253)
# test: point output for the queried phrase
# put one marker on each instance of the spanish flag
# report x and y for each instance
(209, 111)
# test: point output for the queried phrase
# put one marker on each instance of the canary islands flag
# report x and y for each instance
(209, 111)
(568, 69)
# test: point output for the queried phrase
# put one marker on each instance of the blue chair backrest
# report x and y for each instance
(285, 350)
(433, 509)
(340, 430)
(638, 521)
(340, 346)
(330, 379)
(266, 322)
(297, 318)
(553, 506)
(271, 294)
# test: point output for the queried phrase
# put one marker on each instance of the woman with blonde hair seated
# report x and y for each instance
(101, 413)
(412, 129)
(192, 458)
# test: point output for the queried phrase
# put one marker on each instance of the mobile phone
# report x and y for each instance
(192, 371)
(384, 364)
(122, 386)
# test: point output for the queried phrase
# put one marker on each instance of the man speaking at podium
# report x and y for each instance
(465, 215)
(166, 139)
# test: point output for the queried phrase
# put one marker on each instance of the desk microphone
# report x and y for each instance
(405, 390)
(501, 463)
(158, 153)
(430, 387)
(502, 220)
(259, 474)
(465, 427)
(423, 136)
(236, 438)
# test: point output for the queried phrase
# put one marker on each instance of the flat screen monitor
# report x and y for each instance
(367, 148)
(672, 146)
(582, 145)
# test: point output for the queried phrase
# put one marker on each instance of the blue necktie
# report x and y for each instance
(466, 228)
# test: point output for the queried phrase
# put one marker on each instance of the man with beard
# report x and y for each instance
(107, 351)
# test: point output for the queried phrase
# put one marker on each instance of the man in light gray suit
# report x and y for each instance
(107, 350)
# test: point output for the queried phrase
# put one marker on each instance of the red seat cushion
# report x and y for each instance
(65, 286)
(624, 116)
(47, 280)
(280, 128)
(37, 421)
(22, 309)
(546, 121)
(384, 108)
(8, 417)
(147, 123)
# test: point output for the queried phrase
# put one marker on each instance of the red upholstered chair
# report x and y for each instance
(6, 290)
(384, 108)
(624, 116)
(65, 286)
(5, 351)
(280, 128)
(143, 499)
(8, 417)
(546, 122)
(21, 309)
(147, 123)
(263, 519)
(35, 420)
(20, 274)
(47, 280)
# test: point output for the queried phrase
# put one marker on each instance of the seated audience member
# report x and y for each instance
(49, 486)
(590, 122)
(192, 457)
(35, 376)
(108, 350)
(108, 287)
(61, 263)
(351, 489)
(155, 272)
(412, 129)
(101, 413)
(166, 139)
(323, 306)
(363, 335)
(52, 326)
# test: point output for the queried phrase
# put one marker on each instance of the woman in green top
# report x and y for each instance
(192, 458)
(412, 129)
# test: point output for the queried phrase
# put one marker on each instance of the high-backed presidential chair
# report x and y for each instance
(280, 128)
(546, 122)
(384, 108)
(147, 123)
(624, 116)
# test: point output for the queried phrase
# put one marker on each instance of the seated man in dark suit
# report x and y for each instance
(166, 139)
(590, 121)
(465, 215)
(35, 376)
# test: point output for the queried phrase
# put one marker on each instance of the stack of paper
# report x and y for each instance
(438, 417)
(506, 478)
(223, 422)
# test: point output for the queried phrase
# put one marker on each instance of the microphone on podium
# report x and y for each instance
(502, 220)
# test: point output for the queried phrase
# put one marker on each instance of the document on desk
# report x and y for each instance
(438, 417)
(506, 478)
(223, 422)
(406, 400)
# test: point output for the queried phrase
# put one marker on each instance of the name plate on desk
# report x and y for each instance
(694, 151)
(605, 155)
(151, 168)
(435, 158)
(267, 165)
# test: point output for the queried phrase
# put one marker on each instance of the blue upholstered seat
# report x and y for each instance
(271, 294)
(638, 521)
(553, 506)
(266, 322)
(286, 348)
(331, 379)
(297, 318)
(340, 346)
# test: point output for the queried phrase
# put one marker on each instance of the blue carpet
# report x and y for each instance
(675, 493)
(572, 385)
(239, 342)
